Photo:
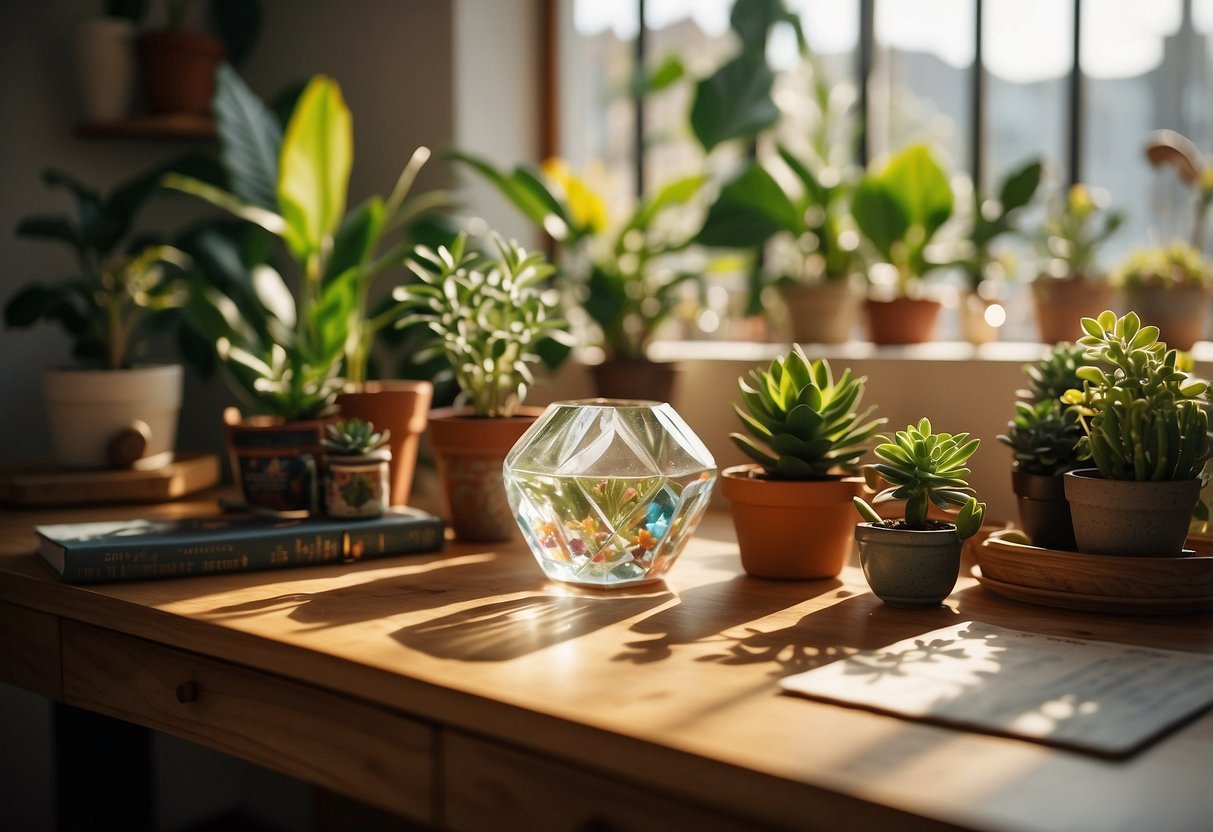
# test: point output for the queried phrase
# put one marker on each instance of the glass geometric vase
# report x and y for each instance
(608, 492)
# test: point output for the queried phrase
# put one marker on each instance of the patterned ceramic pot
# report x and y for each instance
(357, 486)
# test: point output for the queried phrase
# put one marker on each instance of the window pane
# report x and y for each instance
(920, 86)
(1135, 59)
(1028, 52)
(596, 114)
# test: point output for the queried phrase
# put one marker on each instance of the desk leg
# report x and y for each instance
(103, 772)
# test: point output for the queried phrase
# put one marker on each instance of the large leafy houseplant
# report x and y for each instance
(804, 430)
(899, 207)
(914, 562)
(125, 286)
(488, 314)
(1146, 433)
(288, 352)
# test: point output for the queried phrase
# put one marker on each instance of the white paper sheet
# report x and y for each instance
(1092, 695)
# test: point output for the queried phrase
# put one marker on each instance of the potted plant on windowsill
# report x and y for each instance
(792, 509)
(1147, 434)
(989, 219)
(1071, 285)
(1168, 287)
(113, 410)
(1043, 438)
(914, 562)
(899, 208)
(625, 278)
(487, 314)
(295, 360)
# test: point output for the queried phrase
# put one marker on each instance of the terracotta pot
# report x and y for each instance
(1126, 517)
(902, 320)
(177, 70)
(1044, 511)
(1179, 312)
(403, 408)
(909, 568)
(975, 326)
(822, 313)
(471, 451)
(1061, 304)
(113, 418)
(276, 464)
(791, 530)
(635, 379)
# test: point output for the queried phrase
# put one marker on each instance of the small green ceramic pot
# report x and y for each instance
(908, 568)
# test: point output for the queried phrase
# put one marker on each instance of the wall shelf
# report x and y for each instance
(168, 127)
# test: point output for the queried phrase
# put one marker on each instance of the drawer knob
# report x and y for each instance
(187, 692)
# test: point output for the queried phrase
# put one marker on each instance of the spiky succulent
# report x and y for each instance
(1143, 417)
(354, 437)
(807, 423)
(924, 468)
(1045, 433)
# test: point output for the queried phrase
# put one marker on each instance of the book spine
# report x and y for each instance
(414, 538)
(298, 547)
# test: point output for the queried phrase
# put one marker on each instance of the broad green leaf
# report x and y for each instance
(355, 240)
(250, 140)
(1020, 186)
(881, 217)
(919, 183)
(672, 193)
(268, 220)
(314, 167)
(735, 102)
(749, 210)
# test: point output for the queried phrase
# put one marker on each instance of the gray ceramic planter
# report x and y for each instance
(907, 568)
(1126, 517)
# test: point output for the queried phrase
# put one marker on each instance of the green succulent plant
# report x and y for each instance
(925, 468)
(354, 437)
(1044, 434)
(1143, 417)
(1178, 264)
(806, 422)
(486, 314)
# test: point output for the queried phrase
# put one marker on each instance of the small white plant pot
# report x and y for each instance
(105, 67)
(103, 418)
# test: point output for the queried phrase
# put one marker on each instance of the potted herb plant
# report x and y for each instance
(898, 209)
(356, 480)
(1147, 434)
(294, 355)
(805, 433)
(989, 218)
(112, 409)
(625, 278)
(1071, 285)
(487, 314)
(914, 562)
(1043, 438)
(1169, 287)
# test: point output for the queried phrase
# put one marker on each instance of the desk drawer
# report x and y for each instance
(487, 786)
(360, 750)
(29, 650)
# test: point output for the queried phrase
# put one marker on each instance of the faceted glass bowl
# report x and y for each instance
(608, 492)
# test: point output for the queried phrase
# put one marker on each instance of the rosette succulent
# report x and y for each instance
(802, 423)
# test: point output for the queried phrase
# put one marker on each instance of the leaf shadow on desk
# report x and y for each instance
(717, 615)
(504, 630)
(425, 585)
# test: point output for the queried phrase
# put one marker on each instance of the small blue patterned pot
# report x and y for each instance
(908, 568)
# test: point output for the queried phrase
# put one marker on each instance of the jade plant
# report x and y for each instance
(1044, 434)
(1143, 416)
(354, 437)
(924, 468)
(806, 424)
(486, 314)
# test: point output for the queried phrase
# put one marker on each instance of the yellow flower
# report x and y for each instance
(586, 208)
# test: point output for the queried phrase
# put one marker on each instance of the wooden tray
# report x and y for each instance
(1094, 603)
(47, 485)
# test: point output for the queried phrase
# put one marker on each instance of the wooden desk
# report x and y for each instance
(462, 690)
